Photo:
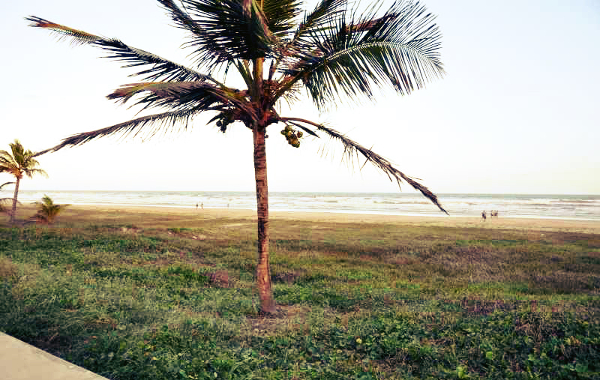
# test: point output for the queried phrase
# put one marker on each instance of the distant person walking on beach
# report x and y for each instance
(483, 216)
(202, 205)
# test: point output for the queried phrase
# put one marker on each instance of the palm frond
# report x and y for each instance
(352, 150)
(31, 172)
(323, 14)
(223, 30)
(217, 54)
(6, 161)
(135, 127)
(401, 48)
(281, 15)
(159, 68)
(326, 12)
(182, 96)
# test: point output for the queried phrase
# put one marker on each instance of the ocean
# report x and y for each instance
(582, 207)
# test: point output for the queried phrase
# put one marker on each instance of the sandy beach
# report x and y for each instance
(186, 215)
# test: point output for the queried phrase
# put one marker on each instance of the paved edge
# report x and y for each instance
(22, 361)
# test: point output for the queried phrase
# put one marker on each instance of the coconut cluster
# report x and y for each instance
(293, 137)
(223, 123)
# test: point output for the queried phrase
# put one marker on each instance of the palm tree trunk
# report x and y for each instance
(263, 271)
(14, 205)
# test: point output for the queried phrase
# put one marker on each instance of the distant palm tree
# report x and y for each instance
(278, 50)
(47, 210)
(19, 162)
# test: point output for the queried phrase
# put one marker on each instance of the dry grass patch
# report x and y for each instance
(8, 270)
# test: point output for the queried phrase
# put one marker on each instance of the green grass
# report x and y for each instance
(141, 299)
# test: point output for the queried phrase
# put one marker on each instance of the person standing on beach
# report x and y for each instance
(483, 215)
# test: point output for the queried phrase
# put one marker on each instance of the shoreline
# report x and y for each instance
(525, 206)
(541, 224)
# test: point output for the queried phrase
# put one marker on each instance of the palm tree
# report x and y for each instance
(278, 50)
(47, 210)
(20, 163)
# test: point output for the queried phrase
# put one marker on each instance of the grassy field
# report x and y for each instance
(146, 295)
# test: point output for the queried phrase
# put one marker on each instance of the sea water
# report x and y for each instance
(583, 207)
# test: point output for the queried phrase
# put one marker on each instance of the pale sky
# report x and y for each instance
(517, 112)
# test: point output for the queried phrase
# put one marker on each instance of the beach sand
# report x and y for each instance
(149, 215)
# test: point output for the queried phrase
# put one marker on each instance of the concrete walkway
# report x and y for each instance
(21, 361)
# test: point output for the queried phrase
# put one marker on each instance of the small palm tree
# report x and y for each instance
(19, 162)
(277, 50)
(47, 210)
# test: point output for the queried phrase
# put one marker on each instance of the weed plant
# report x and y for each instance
(175, 300)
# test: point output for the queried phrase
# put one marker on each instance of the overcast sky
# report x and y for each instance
(517, 112)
